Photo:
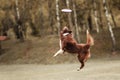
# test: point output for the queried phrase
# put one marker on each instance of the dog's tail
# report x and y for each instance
(90, 39)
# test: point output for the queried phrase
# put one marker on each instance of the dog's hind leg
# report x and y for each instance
(82, 64)
(82, 61)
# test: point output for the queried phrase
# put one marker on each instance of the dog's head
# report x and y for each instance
(66, 30)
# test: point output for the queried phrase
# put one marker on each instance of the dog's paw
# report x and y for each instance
(78, 69)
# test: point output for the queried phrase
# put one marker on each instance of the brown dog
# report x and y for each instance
(69, 44)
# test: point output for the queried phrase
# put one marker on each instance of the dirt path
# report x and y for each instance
(94, 70)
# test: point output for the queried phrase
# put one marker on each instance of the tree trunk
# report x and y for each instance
(58, 17)
(50, 18)
(109, 24)
(69, 15)
(76, 25)
(96, 15)
(41, 22)
(19, 30)
(100, 14)
(89, 19)
(112, 16)
(17, 9)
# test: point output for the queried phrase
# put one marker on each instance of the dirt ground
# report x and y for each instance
(94, 70)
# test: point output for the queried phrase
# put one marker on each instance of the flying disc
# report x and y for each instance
(66, 10)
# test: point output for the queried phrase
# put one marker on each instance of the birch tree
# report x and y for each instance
(100, 12)
(108, 17)
(57, 15)
(17, 9)
(69, 14)
(96, 15)
(18, 30)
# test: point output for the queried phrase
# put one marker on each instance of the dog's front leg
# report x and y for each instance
(58, 52)
(61, 51)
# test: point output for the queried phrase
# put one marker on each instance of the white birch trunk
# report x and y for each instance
(17, 9)
(58, 26)
(19, 26)
(57, 14)
(96, 16)
(108, 16)
(100, 15)
(69, 15)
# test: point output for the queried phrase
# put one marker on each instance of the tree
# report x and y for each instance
(18, 27)
(112, 16)
(96, 15)
(107, 13)
(77, 29)
(69, 15)
(50, 15)
(57, 16)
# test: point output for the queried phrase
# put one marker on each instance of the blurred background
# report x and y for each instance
(32, 27)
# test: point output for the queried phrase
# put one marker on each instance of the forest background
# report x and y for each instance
(32, 28)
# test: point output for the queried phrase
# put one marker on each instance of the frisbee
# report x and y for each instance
(66, 10)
